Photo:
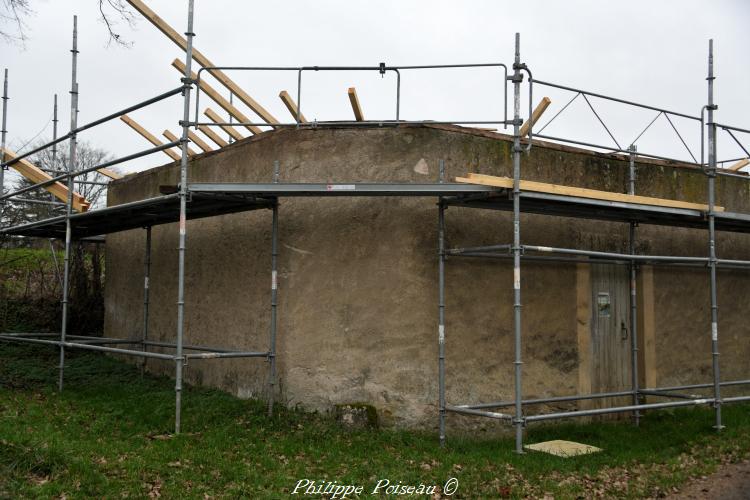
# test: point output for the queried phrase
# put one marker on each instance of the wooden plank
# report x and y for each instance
(583, 330)
(148, 136)
(201, 59)
(354, 100)
(199, 142)
(36, 175)
(646, 327)
(172, 138)
(213, 136)
(109, 173)
(218, 98)
(739, 165)
(214, 117)
(291, 106)
(535, 115)
(541, 187)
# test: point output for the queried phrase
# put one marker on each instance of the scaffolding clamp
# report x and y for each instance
(382, 69)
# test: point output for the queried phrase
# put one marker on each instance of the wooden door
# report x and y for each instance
(610, 328)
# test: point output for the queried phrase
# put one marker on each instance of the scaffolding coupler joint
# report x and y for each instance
(382, 69)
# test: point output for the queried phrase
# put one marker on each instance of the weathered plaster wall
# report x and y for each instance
(358, 276)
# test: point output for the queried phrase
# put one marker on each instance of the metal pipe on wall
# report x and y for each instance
(633, 294)
(146, 290)
(274, 294)
(441, 308)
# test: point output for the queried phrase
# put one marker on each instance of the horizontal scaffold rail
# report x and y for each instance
(91, 343)
(341, 189)
(210, 199)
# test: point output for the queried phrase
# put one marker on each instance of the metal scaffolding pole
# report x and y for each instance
(187, 85)
(712, 235)
(146, 289)
(517, 78)
(54, 138)
(274, 295)
(633, 296)
(69, 207)
(441, 308)
(53, 200)
(4, 131)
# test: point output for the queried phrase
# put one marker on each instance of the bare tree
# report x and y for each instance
(90, 185)
(15, 13)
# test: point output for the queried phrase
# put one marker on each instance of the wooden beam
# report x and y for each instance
(181, 42)
(354, 100)
(535, 115)
(36, 175)
(739, 165)
(214, 117)
(109, 173)
(173, 138)
(218, 98)
(213, 136)
(291, 105)
(541, 187)
(148, 136)
(199, 142)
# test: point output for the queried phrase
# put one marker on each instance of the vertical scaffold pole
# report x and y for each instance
(712, 235)
(633, 297)
(54, 138)
(52, 196)
(517, 78)
(187, 86)
(4, 131)
(441, 308)
(69, 206)
(146, 290)
(231, 118)
(54, 132)
(274, 295)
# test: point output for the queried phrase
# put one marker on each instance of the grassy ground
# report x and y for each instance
(107, 435)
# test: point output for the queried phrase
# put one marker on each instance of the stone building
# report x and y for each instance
(358, 277)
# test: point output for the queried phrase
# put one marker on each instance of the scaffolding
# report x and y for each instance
(189, 200)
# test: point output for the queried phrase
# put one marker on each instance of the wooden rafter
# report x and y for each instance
(208, 132)
(148, 136)
(740, 164)
(214, 117)
(291, 105)
(173, 138)
(218, 98)
(356, 107)
(36, 175)
(541, 187)
(535, 115)
(201, 59)
(199, 142)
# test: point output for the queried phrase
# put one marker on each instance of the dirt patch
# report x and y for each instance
(730, 482)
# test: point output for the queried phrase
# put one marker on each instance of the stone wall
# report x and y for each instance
(357, 316)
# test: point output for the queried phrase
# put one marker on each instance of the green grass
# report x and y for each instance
(108, 435)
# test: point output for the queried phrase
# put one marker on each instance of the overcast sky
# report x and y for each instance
(646, 51)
